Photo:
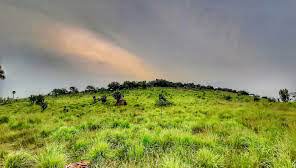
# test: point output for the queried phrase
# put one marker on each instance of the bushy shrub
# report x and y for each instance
(114, 86)
(59, 92)
(104, 99)
(119, 98)
(162, 101)
(130, 85)
(90, 88)
(74, 90)
(256, 98)
(4, 119)
(284, 95)
(94, 99)
(161, 83)
(44, 106)
(228, 98)
(32, 99)
(243, 93)
(38, 100)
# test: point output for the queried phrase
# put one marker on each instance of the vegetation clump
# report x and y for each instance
(59, 92)
(90, 88)
(119, 99)
(163, 101)
(20, 160)
(94, 99)
(104, 99)
(113, 86)
(228, 98)
(4, 119)
(38, 100)
(74, 90)
(284, 95)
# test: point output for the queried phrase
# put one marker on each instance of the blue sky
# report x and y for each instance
(231, 43)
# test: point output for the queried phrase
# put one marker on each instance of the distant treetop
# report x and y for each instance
(2, 73)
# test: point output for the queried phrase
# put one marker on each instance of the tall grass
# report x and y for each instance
(199, 129)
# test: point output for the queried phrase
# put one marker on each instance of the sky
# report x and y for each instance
(239, 44)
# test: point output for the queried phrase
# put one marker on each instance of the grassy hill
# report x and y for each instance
(201, 129)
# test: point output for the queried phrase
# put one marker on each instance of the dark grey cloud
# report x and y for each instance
(239, 44)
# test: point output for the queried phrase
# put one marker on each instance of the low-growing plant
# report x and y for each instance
(44, 106)
(52, 157)
(94, 99)
(73, 90)
(4, 119)
(256, 98)
(99, 152)
(38, 100)
(162, 101)
(119, 98)
(90, 88)
(20, 159)
(228, 98)
(207, 158)
(104, 99)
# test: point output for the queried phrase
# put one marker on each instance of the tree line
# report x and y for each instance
(115, 86)
(285, 95)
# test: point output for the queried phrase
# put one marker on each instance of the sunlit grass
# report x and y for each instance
(200, 129)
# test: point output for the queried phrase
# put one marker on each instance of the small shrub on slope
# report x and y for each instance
(162, 101)
(4, 119)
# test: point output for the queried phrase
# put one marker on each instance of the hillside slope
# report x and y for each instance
(200, 129)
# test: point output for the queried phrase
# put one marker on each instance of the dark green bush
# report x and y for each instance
(59, 92)
(114, 86)
(284, 95)
(90, 88)
(162, 100)
(4, 119)
(104, 99)
(228, 98)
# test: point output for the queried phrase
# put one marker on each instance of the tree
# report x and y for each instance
(13, 93)
(58, 92)
(284, 95)
(119, 99)
(114, 86)
(74, 89)
(2, 73)
(90, 88)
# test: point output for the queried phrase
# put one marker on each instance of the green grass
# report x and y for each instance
(200, 129)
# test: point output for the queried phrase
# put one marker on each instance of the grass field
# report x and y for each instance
(200, 129)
